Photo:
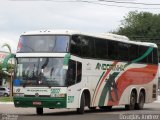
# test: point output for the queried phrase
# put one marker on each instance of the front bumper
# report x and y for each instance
(46, 102)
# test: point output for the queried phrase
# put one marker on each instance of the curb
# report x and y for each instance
(6, 103)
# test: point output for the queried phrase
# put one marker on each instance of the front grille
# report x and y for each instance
(36, 96)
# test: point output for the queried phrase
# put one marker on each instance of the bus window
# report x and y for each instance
(43, 43)
(150, 58)
(133, 52)
(123, 53)
(112, 50)
(142, 50)
(79, 72)
(71, 74)
(88, 47)
(155, 56)
(74, 73)
(62, 44)
(101, 48)
(75, 45)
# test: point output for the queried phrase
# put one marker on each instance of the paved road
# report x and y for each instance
(150, 112)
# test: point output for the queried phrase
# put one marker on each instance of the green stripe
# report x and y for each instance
(5, 61)
(144, 55)
(66, 59)
(100, 79)
(150, 49)
(106, 89)
(97, 85)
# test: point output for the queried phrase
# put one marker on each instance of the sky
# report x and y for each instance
(18, 16)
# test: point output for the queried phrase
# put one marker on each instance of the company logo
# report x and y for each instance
(18, 90)
(36, 95)
(103, 66)
(70, 99)
(55, 91)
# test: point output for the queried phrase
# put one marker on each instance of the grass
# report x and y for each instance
(6, 99)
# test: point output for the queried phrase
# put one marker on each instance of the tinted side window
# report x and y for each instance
(101, 48)
(123, 51)
(87, 44)
(79, 72)
(75, 47)
(155, 56)
(142, 50)
(0, 81)
(71, 73)
(150, 57)
(112, 50)
(74, 73)
(133, 52)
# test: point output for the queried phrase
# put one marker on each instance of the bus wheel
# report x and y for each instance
(132, 104)
(92, 108)
(140, 104)
(106, 107)
(82, 105)
(39, 111)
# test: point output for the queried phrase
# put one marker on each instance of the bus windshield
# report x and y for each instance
(41, 72)
(43, 43)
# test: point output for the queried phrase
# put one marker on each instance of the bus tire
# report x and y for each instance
(82, 105)
(105, 107)
(92, 108)
(133, 99)
(141, 101)
(39, 111)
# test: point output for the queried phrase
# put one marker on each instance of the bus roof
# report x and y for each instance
(109, 36)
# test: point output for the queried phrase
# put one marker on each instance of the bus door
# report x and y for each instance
(74, 76)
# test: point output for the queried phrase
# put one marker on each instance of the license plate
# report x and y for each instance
(37, 103)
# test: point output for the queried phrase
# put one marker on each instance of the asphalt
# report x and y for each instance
(157, 101)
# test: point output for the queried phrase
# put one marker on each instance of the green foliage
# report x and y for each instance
(5, 99)
(142, 26)
(8, 46)
(9, 68)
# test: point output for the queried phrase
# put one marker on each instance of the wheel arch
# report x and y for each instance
(87, 96)
(144, 92)
(133, 90)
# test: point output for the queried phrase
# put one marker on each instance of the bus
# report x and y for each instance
(74, 70)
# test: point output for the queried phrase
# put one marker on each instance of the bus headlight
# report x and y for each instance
(18, 94)
(58, 95)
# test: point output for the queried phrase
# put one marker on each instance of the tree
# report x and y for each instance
(8, 46)
(142, 26)
(9, 67)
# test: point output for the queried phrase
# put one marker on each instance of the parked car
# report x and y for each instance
(4, 91)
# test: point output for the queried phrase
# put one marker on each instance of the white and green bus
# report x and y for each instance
(69, 69)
